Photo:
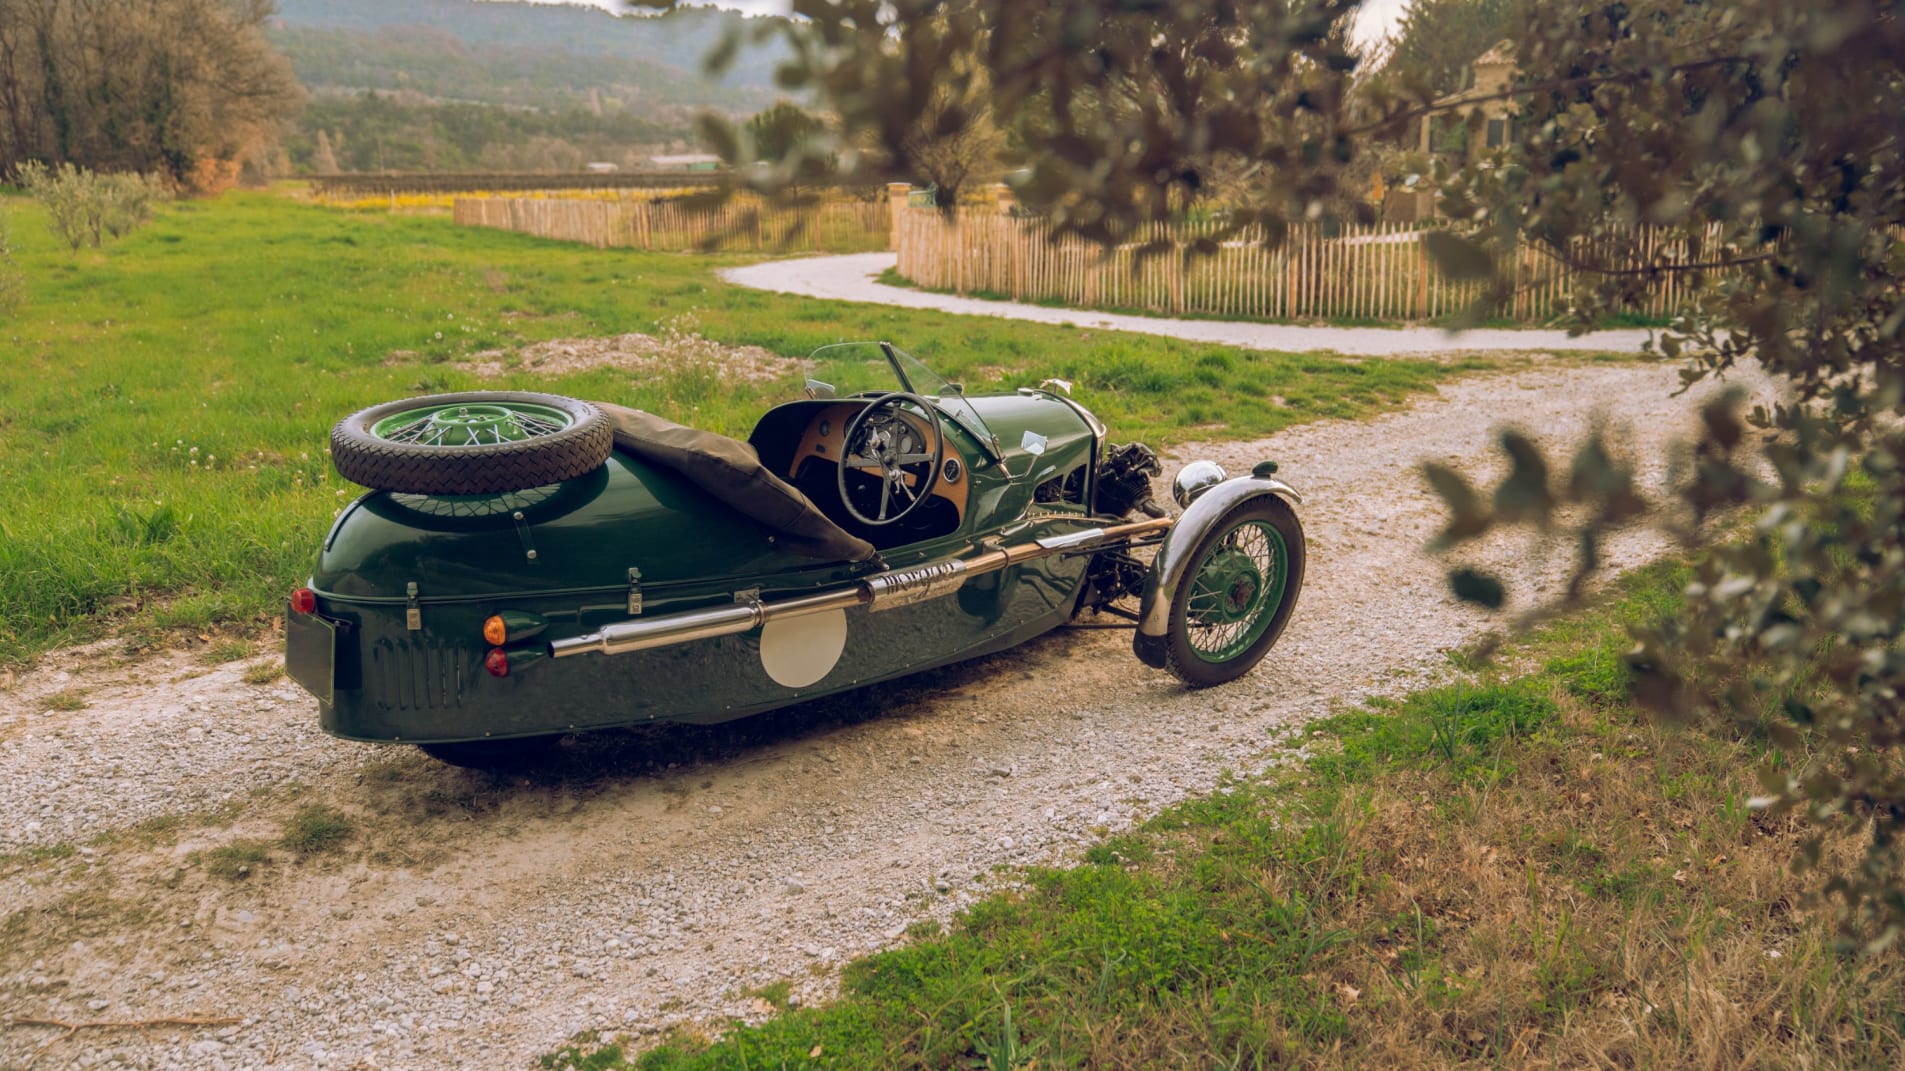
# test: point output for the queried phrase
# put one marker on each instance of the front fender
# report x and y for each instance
(1174, 555)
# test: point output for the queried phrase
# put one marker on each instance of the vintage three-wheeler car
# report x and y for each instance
(527, 566)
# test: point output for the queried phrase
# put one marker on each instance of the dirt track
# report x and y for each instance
(855, 277)
(655, 877)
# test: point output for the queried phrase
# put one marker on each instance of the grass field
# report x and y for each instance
(167, 399)
(1516, 871)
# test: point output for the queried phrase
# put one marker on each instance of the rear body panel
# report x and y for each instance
(405, 582)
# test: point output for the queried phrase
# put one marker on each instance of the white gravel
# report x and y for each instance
(853, 278)
(616, 894)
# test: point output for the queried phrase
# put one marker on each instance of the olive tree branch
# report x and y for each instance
(1656, 269)
(1618, 78)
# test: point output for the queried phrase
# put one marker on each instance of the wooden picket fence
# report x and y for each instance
(737, 226)
(1376, 272)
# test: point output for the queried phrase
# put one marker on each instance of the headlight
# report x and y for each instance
(1194, 479)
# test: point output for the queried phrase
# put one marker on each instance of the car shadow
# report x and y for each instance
(603, 760)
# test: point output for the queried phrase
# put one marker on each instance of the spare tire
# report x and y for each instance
(471, 443)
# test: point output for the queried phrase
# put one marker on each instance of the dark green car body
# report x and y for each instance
(394, 646)
(458, 562)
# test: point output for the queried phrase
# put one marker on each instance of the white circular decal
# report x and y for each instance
(797, 651)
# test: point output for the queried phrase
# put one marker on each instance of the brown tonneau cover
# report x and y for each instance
(731, 471)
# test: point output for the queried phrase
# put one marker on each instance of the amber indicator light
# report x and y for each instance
(496, 632)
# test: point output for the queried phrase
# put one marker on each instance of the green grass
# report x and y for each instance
(315, 829)
(236, 861)
(1511, 871)
(168, 398)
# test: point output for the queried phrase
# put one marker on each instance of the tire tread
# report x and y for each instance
(363, 458)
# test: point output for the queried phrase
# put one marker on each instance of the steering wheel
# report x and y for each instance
(878, 440)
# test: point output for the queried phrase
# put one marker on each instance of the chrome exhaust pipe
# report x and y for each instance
(881, 591)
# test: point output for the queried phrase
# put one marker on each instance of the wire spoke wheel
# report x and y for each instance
(1237, 594)
(471, 425)
(1234, 590)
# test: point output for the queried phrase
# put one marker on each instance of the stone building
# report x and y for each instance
(1487, 125)
(1461, 133)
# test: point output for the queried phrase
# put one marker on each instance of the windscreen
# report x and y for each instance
(879, 367)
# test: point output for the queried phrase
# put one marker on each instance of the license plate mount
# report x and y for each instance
(310, 653)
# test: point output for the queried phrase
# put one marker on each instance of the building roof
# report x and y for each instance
(1502, 55)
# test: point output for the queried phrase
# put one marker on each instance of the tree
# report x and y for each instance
(184, 87)
(1434, 41)
(1761, 135)
(323, 158)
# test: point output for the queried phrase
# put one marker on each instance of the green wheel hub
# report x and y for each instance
(1235, 591)
(471, 424)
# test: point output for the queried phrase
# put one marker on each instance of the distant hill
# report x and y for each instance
(564, 82)
(518, 54)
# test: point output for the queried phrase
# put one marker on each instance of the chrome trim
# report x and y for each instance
(1083, 539)
(1174, 554)
(881, 591)
(1194, 479)
(921, 583)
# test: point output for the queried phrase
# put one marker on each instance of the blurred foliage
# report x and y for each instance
(782, 131)
(1120, 112)
(1764, 134)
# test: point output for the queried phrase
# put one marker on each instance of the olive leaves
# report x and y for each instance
(1597, 497)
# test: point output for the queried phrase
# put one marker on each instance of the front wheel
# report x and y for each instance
(1237, 594)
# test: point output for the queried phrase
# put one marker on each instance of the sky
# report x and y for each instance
(1376, 18)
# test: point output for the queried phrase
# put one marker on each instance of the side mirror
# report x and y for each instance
(817, 389)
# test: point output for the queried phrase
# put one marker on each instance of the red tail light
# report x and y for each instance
(304, 601)
(497, 662)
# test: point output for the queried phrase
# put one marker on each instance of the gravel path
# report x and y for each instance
(653, 878)
(852, 278)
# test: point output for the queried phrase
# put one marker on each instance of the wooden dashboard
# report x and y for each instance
(825, 438)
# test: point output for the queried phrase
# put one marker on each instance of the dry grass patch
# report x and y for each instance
(66, 700)
(673, 352)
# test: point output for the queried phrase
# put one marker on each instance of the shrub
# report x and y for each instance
(70, 196)
(125, 201)
(83, 207)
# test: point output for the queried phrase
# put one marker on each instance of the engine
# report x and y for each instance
(1124, 481)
